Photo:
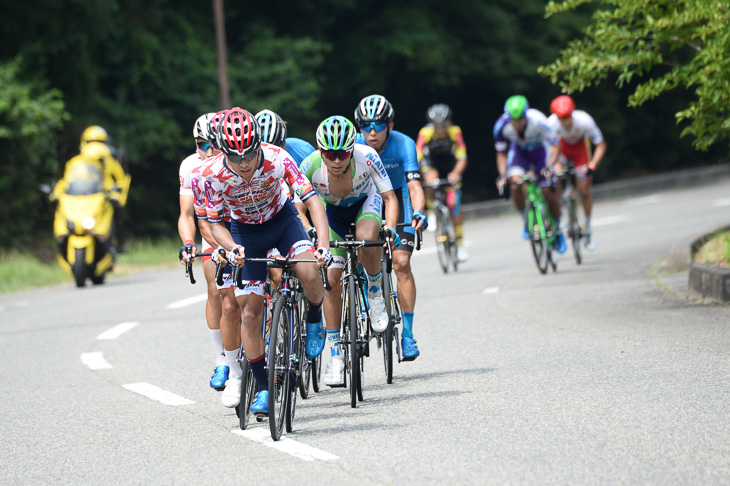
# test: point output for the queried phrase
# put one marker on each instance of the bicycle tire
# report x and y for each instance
(315, 367)
(352, 331)
(538, 241)
(296, 361)
(442, 248)
(305, 365)
(248, 392)
(575, 230)
(278, 367)
(387, 335)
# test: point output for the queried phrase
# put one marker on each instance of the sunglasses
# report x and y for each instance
(205, 146)
(236, 159)
(377, 126)
(336, 154)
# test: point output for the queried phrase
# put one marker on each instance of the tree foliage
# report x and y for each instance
(663, 45)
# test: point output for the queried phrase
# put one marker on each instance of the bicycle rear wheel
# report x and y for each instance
(538, 239)
(315, 368)
(574, 230)
(296, 361)
(352, 338)
(248, 391)
(279, 366)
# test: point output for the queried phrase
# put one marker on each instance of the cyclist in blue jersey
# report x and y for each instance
(273, 130)
(374, 117)
(524, 141)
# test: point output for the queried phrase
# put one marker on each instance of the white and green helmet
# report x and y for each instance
(336, 133)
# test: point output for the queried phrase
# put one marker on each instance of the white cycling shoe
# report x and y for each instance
(334, 375)
(231, 396)
(461, 254)
(590, 242)
(378, 315)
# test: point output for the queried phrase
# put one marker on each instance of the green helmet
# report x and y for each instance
(516, 106)
(336, 133)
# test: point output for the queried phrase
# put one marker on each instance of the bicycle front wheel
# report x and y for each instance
(574, 229)
(442, 239)
(278, 366)
(248, 391)
(387, 335)
(538, 238)
(305, 365)
(352, 334)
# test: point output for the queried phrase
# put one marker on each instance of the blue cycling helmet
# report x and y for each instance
(516, 106)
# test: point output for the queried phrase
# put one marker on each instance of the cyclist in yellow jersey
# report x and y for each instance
(441, 153)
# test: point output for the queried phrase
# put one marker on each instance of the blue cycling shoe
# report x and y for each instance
(410, 350)
(560, 243)
(260, 404)
(525, 234)
(219, 378)
(315, 339)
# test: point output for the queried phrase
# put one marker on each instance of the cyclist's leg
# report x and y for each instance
(429, 174)
(367, 228)
(213, 312)
(517, 167)
(230, 315)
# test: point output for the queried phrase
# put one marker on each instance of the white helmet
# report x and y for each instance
(200, 130)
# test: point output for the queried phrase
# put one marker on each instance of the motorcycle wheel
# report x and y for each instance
(80, 267)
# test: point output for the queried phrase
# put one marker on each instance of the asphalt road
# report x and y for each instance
(591, 375)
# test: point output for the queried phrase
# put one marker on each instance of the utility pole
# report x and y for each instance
(220, 41)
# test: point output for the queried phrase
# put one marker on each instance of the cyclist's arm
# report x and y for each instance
(555, 152)
(418, 198)
(391, 208)
(502, 163)
(222, 236)
(598, 154)
(186, 221)
(319, 218)
(455, 175)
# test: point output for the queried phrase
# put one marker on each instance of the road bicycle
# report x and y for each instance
(446, 247)
(284, 344)
(388, 339)
(540, 224)
(355, 333)
(571, 207)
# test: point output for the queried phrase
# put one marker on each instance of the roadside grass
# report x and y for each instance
(716, 250)
(19, 271)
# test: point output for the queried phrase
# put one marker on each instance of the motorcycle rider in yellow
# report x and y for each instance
(96, 158)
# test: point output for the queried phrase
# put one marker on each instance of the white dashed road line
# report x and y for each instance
(620, 218)
(158, 394)
(117, 330)
(722, 202)
(285, 444)
(186, 302)
(641, 201)
(490, 290)
(95, 361)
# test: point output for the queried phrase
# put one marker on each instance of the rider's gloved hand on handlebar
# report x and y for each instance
(312, 233)
(393, 235)
(187, 251)
(237, 251)
(219, 255)
(326, 256)
(419, 216)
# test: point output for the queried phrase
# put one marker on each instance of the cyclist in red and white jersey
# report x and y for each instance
(246, 177)
(221, 303)
(577, 131)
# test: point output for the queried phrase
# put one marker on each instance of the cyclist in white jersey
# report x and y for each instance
(352, 181)
(221, 303)
(577, 131)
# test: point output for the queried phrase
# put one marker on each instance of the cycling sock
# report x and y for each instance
(373, 284)
(314, 314)
(259, 373)
(459, 229)
(333, 338)
(408, 324)
(524, 216)
(588, 223)
(234, 368)
(215, 337)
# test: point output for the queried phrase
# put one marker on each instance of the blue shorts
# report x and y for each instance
(405, 215)
(284, 231)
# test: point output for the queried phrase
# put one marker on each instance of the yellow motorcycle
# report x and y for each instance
(83, 226)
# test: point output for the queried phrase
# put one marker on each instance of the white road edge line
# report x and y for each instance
(158, 394)
(722, 202)
(95, 361)
(186, 302)
(117, 330)
(641, 201)
(287, 445)
(490, 290)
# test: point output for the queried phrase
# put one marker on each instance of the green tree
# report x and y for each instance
(30, 118)
(661, 45)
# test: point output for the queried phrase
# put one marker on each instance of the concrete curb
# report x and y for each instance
(707, 279)
(636, 186)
